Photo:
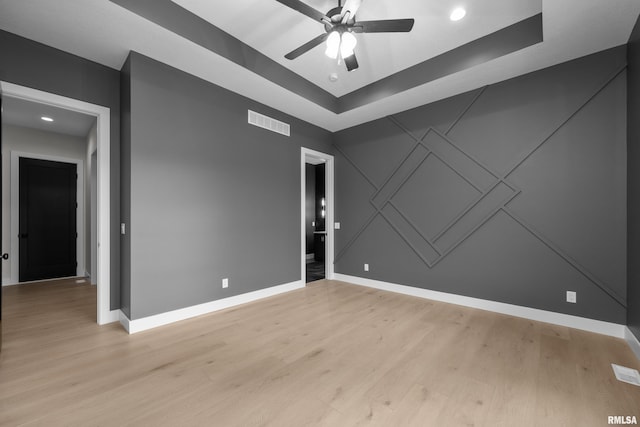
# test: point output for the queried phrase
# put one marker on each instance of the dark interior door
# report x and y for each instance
(1, 216)
(47, 219)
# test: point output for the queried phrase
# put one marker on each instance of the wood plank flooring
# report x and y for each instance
(331, 354)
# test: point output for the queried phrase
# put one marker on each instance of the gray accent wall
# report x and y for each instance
(633, 182)
(211, 196)
(31, 64)
(515, 192)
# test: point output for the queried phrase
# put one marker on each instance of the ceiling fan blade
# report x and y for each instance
(307, 46)
(304, 9)
(351, 62)
(384, 26)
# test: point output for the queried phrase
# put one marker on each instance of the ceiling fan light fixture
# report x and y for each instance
(347, 44)
(333, 45)
(457, 14)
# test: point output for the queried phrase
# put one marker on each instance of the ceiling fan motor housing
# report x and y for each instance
(335, 15)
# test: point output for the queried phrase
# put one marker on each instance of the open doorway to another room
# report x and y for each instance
(315, 224)
(317, 215)
(50, 130)
(47, 154)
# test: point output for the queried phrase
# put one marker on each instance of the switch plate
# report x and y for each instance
(225, 283)
(571, 297)
(336, 226)
(366, 267)
(123, 228)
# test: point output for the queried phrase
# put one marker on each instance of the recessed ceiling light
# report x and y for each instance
(46, 119)
(457, 14)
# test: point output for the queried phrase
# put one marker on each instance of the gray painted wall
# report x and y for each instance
(543, 155)
(633, 181)
(27, 63)
(125, 187)
(515, 192)
(210, 196)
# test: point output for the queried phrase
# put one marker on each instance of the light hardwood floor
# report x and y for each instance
(331, 354)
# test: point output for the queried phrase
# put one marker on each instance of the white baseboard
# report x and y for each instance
(138, 325)
(124, 321)
(10, 282)
(92, 279)
(633, 342)
(113, 316)
(597, 326)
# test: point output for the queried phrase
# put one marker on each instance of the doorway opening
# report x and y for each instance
(317, 215)
(100, 246)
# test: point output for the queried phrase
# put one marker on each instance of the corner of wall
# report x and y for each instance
(125, 186)
(633, 177)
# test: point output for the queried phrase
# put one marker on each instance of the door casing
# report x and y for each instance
(305, 155)
(103, 117)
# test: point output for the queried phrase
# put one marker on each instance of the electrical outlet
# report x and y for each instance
(225, 283)
(366, 267)
(571, 297)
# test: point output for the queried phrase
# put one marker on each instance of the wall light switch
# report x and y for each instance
(336, 226)
(571, 296)
(123, 228)
(225, 283)
(366, 267)
(313, 223)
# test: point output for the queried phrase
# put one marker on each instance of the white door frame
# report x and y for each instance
(308, 154)
(103, 116)
(15, 211)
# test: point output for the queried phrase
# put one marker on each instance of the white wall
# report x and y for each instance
(37, 142)
(90, 224)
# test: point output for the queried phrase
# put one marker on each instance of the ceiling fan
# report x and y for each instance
(340, 24)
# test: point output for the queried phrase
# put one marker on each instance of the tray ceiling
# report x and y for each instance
(104, 31)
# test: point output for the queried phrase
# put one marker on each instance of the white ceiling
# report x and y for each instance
(104, 32)
(18, 112)
(379, 55)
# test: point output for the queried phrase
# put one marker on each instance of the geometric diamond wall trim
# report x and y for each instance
(494, 193)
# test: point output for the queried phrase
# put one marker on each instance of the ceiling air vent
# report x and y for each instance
(268, 123)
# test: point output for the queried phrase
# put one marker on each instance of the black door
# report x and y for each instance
(1, 217)
(47, 219)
